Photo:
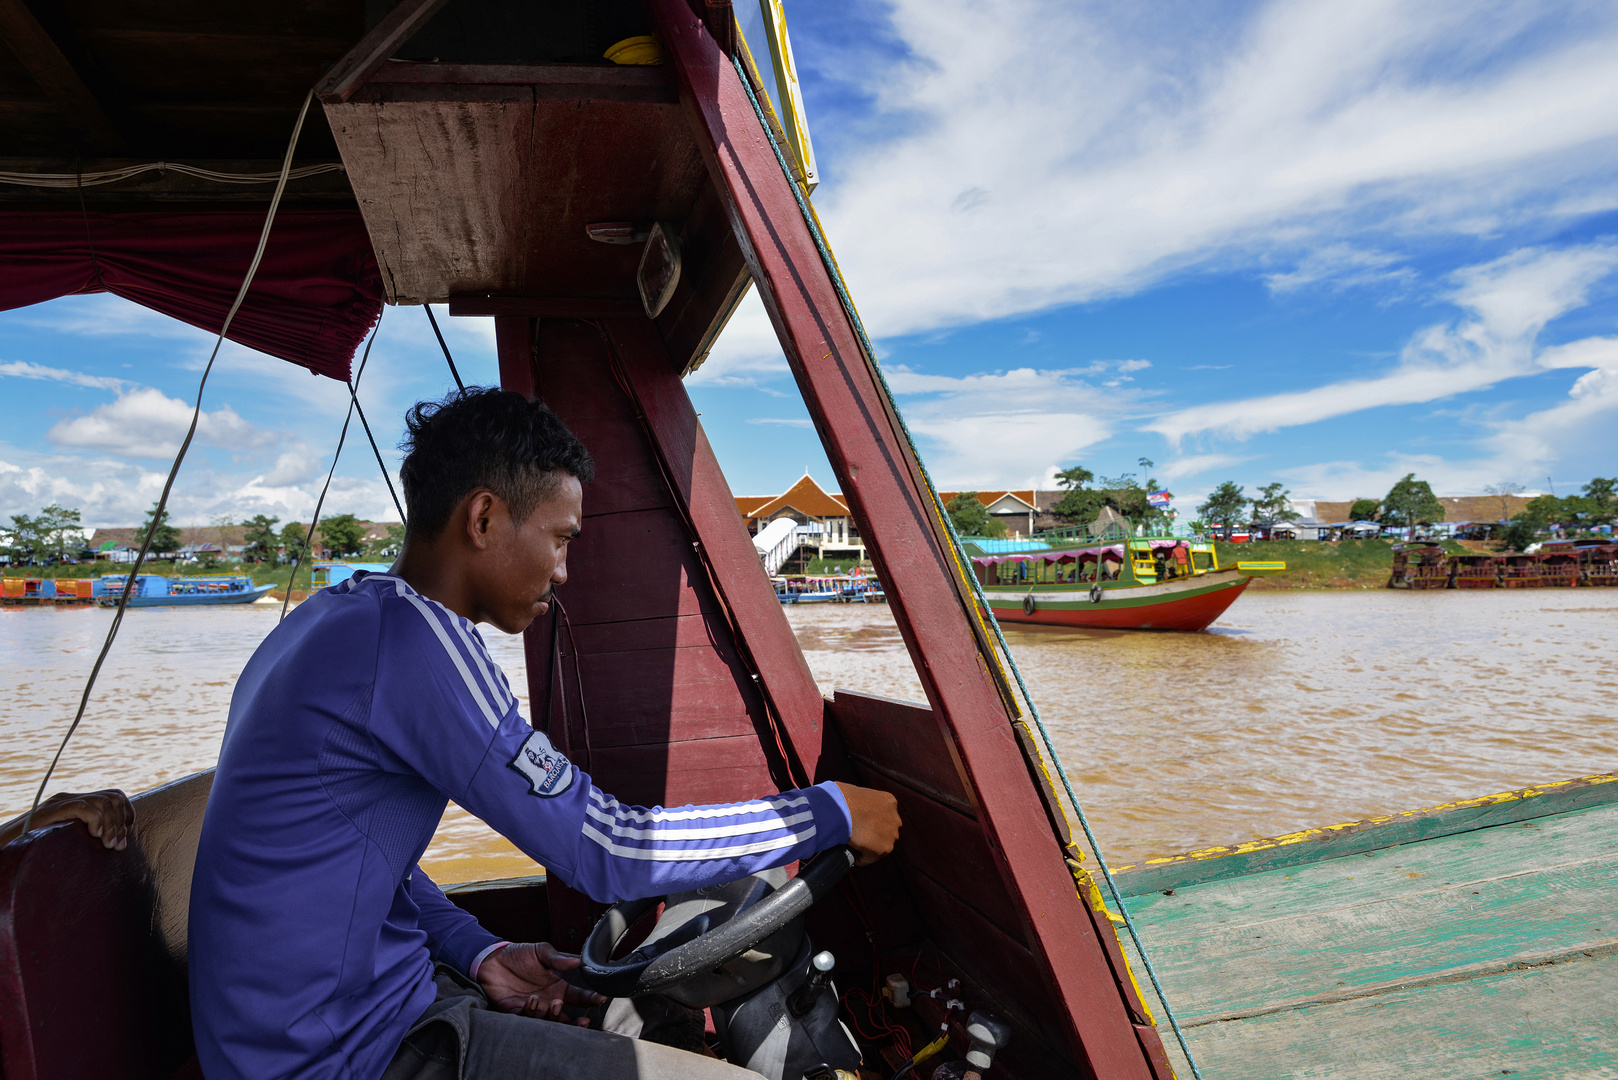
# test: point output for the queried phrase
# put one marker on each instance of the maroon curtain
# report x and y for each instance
(316, 295)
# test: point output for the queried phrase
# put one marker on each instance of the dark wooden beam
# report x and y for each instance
(169, 187)
(562, 307)
(539, 82)
(373, 50)
(897, 519)
(55, 74)
(699, 485)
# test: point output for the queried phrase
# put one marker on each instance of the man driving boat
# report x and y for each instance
(318, 946)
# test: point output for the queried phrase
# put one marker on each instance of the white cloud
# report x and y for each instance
(1196, 465)
(23, 369)
(1048, 153)
(295, 466)
(147, 423)
(106, 315)
(1342, 266)
(1509, 299)
(1007, 428)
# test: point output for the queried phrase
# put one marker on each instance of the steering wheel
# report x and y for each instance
(661, 964)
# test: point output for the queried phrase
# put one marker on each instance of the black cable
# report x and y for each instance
(353, 400)
(442, 345)
(355, 397)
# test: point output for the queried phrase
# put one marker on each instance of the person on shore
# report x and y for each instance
(318, 946)
(107, 814)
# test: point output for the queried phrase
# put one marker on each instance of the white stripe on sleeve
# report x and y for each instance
(710, 832)
(474, 645)
(761, 806)
(694, 854)
(449, 647)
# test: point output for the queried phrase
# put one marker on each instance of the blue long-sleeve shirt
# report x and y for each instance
(313, 930)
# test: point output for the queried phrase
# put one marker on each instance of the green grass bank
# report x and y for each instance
(1313, 564)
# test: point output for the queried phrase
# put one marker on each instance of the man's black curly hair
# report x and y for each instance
(484, 437)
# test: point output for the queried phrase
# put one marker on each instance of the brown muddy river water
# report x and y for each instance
(1296, 709)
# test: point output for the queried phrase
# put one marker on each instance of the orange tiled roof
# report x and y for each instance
(805, 496)
(989, 498)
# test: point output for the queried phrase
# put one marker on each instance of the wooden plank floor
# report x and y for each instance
(1480, 954)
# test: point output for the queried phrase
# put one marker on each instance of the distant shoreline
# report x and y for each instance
(1311, 564)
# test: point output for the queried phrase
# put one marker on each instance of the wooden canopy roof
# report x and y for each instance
(513, 129)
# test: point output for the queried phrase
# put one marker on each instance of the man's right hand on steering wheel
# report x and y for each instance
(875, 817)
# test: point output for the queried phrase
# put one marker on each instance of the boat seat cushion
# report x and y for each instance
(93, 946)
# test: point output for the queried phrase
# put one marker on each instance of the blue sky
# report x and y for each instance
(1320, 243)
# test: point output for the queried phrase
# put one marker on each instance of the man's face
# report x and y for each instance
(522, 564)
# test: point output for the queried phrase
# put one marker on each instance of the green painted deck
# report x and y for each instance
(1478, 954)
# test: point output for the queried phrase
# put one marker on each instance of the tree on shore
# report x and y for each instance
(1599, 502)
(1411, 502)
(165, 537)
(1364, 510)
(1274, 503)
(389, 545)
(343, 534)
(1079, 505)
(22, 539)
(260, 539)
(62, 530)
(1503, 491)
(971, 518)
(1226, 507)
(57, 533)
(294, 537)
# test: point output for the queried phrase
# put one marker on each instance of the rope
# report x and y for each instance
(353, 402)
(354, 395)
(168, 485)
(813, 222)
(113, 176)
(459, 385)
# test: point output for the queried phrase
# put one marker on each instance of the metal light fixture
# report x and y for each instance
(659, 270)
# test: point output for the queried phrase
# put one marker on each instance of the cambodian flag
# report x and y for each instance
(1159, 498)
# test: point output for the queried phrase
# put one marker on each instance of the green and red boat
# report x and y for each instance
(1117, 582)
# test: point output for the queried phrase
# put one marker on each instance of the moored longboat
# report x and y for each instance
(155, 590)
(38, 592)
(1420, 566)
(1475, 570)
(1076, 578)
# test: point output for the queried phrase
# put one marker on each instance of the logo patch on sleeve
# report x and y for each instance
(548, 773)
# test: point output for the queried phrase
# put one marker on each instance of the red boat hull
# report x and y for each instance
(1192, 609)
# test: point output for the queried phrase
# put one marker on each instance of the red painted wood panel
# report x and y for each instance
(766, 638)
(513, 343)
(901, 739)
(638, 635)
(968, 871)
(895, 517)
(634, 566)
(658, 664)
(721, 770)
(630, 701)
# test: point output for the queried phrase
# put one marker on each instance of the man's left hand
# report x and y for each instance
(524, 979)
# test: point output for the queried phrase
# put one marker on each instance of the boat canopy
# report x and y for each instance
(316, 295)
(1112, 551)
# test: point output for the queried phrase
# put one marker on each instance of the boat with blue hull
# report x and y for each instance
(152, 590)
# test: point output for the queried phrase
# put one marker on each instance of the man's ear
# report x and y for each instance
(479, 509)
